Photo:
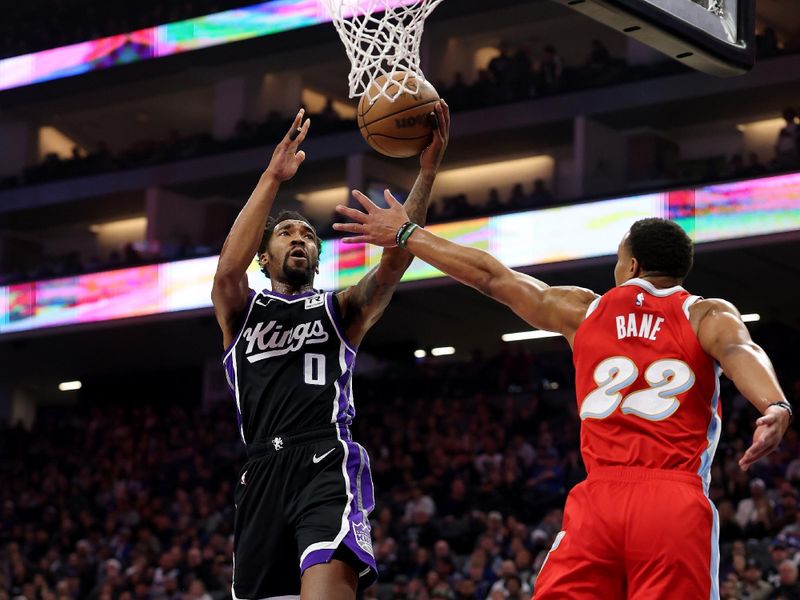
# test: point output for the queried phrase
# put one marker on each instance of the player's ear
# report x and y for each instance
(263, 260)
(636, 268)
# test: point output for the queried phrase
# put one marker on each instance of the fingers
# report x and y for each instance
(299, 158)
(756, 452)
(390, 200)
(362, 239)
(301, 133)
(294, 129)
(351, 213)
(443, 117)
(446, 115)
(368, 204)
(767, 419)
(349, 227)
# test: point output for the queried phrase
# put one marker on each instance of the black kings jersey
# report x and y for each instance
(290, 368)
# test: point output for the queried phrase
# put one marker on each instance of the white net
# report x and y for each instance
(382, 38)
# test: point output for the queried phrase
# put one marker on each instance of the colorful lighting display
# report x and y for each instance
(710, 213)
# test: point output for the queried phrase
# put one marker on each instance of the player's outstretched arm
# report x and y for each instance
(364, 303)
(229, 293)
(725, 337)
(559, 309)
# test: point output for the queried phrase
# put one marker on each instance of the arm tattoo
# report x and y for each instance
(371, 295)
(419, 199)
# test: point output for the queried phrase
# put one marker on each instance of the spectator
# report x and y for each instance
(551, 70)
(509, 582)
(786, 144)
(541, 195)
(788, 588)
(419, 503)
(500, 67)
(779, 552)
(755, 514)
(753, 586)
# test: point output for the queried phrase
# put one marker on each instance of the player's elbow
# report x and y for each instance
(226, 283)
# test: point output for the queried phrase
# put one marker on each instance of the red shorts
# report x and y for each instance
(643, 534)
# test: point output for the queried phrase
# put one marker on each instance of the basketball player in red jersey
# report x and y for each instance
(647, 358)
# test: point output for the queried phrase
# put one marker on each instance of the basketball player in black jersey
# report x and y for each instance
(305, 493)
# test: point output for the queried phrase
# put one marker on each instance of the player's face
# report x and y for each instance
(627, 267)
(292, 255)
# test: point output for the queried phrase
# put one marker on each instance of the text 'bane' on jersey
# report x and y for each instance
(290, 369)
(648, 394)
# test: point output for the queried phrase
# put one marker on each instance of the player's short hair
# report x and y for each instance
(273, 222)
(662, 247)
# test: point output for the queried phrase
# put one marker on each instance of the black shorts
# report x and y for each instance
(300, 499)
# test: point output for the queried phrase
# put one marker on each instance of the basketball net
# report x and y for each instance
(381, 44)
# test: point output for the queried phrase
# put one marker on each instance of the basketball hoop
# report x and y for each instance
(381, 44)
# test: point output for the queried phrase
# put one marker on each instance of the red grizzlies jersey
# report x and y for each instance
(648, 394)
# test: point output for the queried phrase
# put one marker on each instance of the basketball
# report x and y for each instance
(401, 128)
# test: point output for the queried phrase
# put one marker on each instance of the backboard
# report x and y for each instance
(713, 36)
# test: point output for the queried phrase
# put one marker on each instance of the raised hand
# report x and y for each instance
(431, 157)
(767, 436)
(286, 158)
(376, 225)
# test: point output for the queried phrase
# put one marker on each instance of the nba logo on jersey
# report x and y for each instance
(315, 301)
(640, 299)
(363, 538)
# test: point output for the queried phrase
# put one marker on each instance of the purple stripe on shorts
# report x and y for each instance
(368, 490)
(317, 557)
(358, 537)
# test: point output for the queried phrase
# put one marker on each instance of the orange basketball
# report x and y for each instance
(401, 128)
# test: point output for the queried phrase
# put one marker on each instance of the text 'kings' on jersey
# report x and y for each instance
(290, 368)
(648, 394)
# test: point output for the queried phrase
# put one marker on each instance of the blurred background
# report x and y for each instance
(124, 160)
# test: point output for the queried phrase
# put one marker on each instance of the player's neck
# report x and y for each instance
(660, 281)
(290, 289)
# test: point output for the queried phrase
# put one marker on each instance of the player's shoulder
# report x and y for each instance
(712, 306)
(581, 294)
(709, 314)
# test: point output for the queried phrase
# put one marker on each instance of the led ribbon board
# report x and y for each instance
(711, 213)
(258, 20)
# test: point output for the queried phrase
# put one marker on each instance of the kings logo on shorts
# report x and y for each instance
(362, 535)
(267, 340)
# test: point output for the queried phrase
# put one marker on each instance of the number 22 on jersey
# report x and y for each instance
(666, 378)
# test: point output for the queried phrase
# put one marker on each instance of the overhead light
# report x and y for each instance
(771, 124)
(443, 351)
(420, 354)
(534, 334)
(69, 386)
(751, 317)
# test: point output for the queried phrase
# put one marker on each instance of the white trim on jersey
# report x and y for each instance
(714, 563)
(241, 331)
(236, 395)
(646, 285)
(336, 388)
(592, 307)
(713, 434)
(689, 303)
